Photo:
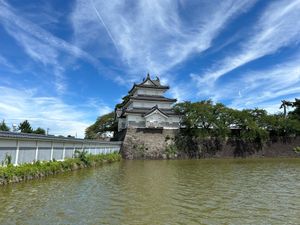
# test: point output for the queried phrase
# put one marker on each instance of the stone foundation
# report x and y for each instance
(147, 143)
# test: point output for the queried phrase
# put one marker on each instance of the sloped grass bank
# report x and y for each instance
(28, 171)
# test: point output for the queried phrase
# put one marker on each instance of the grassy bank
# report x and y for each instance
(28, 171)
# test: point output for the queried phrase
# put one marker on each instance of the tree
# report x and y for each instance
(103, 124)
(295, 114)
(25, 127)
(284, 105)
(3, 126)
(205, 118)
(39, 130)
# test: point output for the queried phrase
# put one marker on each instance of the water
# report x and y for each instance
(217, 191)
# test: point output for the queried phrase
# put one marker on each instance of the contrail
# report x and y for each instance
(106, 28)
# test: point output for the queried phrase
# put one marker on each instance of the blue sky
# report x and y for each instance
(63, 63)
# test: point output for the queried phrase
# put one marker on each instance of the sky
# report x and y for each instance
(64, 63)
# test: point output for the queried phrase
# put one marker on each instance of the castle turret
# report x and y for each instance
(146, 107)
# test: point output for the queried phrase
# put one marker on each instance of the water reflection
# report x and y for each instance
(252, 191)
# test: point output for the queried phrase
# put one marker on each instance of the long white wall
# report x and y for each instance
(27, 150)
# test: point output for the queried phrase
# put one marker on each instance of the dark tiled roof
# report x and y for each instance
(16, 135)
(146, 110)
(155, 84)
(153, 98)
(155, 108)
(148, 86)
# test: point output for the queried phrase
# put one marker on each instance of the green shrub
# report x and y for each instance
(7, 160)
(28, 171)
(297, 149)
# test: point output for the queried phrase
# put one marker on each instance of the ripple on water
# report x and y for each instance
(227, 191)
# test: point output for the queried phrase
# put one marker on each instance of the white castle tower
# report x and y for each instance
(146, 107)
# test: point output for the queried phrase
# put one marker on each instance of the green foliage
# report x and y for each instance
(103, 124)
(82, 156)
(40, 169)
(295, 114)
(39, 130)
(205, 119)
(25, 127)
(7, 160)
(215, 122)
(171, 151)
(297, 149)
(3, 126)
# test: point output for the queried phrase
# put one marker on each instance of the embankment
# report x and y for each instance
(162, 144)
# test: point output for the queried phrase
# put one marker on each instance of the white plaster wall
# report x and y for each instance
(8, 143)
(149, 91)
(136, 118)
(29, 150)
(44, 143)
(156, 117)
(27, 144)
(174, 119)
(155, 120)
(148, 82)
(130, 106)
(141, 104)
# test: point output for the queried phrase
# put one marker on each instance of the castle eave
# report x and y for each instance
(152, 98)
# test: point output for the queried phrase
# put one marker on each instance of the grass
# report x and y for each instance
(29, 171)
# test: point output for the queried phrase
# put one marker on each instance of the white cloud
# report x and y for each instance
(278, 27)
(40, 45)
(151, 35)
(260, 88)
(17, 105)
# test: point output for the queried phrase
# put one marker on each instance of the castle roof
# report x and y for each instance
(152, 98)
(155, 108)
(147, 111)
(149, 83)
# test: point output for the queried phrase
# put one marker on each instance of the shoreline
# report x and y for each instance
(24, 172)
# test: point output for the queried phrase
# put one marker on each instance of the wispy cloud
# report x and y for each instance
(261, 88)
(151, 36)
(40, 45)
(62, 118)
(5, 63)
(277, 27)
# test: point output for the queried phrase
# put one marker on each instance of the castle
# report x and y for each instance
(146, 107)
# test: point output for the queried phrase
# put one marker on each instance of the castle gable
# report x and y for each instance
(145, 106)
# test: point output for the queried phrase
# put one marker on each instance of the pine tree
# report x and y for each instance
(3, 126)
(25, 127)
(39, 131)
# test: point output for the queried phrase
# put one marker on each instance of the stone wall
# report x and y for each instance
(146, 143)
(275, 148)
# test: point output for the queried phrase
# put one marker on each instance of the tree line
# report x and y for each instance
(205, 119)
(23, 127)
(206, 127)
(208, 119)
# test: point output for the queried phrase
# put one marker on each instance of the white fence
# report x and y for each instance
(26, 148)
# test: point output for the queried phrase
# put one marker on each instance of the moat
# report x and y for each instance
(212, 191)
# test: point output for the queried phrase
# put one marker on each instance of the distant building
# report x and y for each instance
(146, 107)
